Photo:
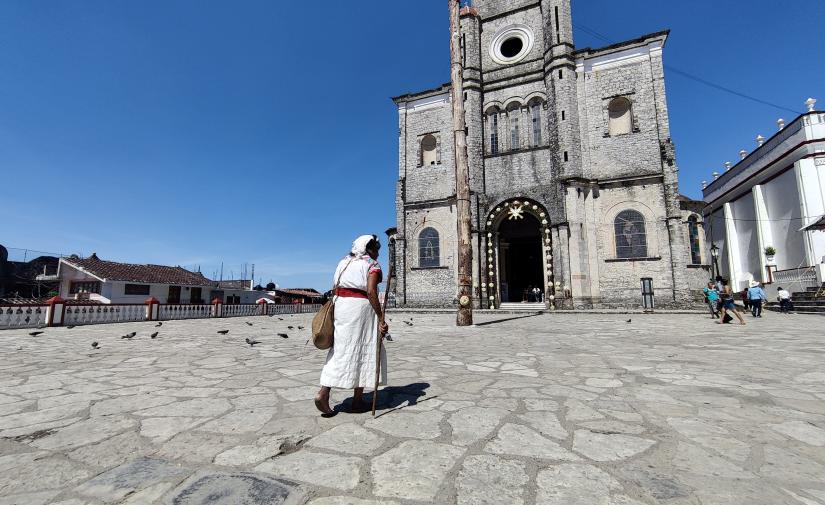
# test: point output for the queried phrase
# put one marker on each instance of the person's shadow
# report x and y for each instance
(391, 398)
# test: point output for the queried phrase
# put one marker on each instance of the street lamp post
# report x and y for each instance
(714, 253)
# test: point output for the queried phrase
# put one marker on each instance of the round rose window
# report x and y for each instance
(511, 44)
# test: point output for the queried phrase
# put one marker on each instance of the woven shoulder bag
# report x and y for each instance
(323, 324)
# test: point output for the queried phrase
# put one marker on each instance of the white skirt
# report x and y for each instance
(351, 360)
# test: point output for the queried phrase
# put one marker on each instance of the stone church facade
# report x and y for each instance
(572, 172)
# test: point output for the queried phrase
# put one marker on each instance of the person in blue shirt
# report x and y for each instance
(756, 296)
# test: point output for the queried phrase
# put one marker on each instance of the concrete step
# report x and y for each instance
(805, 296)
(529, 306)
(800, 309)
(803, 302)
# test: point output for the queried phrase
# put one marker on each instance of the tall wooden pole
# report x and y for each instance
(462, 175)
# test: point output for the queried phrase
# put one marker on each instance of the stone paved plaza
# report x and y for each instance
(551, 409)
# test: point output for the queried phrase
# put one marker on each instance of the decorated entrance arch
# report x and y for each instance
(519, 253)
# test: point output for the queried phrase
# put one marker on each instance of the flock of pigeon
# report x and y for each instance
(251, 342)
(131, 335)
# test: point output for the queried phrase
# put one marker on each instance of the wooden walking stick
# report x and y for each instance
(380, 337)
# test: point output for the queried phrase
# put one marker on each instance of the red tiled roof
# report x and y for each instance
(149, 274)
(309, 292)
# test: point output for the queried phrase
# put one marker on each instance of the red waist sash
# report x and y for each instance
(351, 293)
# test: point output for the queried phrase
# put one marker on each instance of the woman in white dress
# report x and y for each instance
(351, 360)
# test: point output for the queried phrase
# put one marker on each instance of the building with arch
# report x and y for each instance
(572, 170)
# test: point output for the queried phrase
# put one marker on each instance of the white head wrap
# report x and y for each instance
(359, 246)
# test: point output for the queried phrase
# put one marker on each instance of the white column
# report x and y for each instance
(732, 241)
(811, 186)
(764, 233)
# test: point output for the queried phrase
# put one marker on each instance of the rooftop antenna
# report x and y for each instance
(221, 279)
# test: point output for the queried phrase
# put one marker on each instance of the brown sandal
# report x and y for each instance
(323, 405)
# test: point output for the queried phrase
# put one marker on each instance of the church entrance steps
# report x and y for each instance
(526, 307)
(804, 302)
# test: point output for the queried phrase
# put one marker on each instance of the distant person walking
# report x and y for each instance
(745, 300)
(728, 305)
(351, 360)
(712, 299)
(756, 296)
(784, 298)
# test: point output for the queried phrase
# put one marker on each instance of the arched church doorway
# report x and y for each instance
(520, 259)
(519, 250)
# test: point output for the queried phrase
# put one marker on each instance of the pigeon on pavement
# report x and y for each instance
(223, 332)
(283, 335)
(252, 342)
(300, 327)
(629, 320)
(70, 327)
(248, 323)
(35, 333)
(290, 327)
(95, 345)
(160, 323)
(154, 335)
(129, 335)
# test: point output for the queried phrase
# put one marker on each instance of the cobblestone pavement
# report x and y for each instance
(552, 409)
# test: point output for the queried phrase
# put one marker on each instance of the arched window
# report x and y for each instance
(429, 150)
(513, 113)
(693, 235)
(631, 239)
(535, 120)
(492, 129)
(428, 249)
(621, 117)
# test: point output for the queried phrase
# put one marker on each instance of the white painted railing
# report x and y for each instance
(167, 312)
(249, 309)
(98, 314)
(22, 316)
(32, 316)
(795, 279)
(294, 308)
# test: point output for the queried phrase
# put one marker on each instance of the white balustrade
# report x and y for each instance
(103, 313)
(295, 308)
(180, 311)
(32, 316)
(795, 279)
(244, 310)
(22, 316)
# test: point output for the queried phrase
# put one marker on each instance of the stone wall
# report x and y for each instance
(632, 154)
(431, 286)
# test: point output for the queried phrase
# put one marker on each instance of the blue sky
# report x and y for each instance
(262, 132)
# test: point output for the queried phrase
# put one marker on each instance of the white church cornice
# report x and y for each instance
(628, 53)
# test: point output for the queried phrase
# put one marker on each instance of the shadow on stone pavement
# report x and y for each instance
(391, 398)
(497, 321)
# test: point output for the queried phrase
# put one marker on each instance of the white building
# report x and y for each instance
(112, 282)
(772, 198)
